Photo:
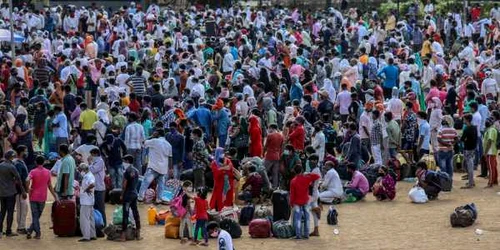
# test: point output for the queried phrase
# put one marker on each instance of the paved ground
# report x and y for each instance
(367, 224)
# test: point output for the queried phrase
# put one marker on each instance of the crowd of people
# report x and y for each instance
(248, 100)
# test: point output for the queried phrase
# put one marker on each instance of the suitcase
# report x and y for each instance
(246, 215)
(260, 228)
(114, 196)
(281, 205)
(64, 218)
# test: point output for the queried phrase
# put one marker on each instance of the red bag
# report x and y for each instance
(260, 228)
(64, 218)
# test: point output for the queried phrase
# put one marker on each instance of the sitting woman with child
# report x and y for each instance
(385, 186)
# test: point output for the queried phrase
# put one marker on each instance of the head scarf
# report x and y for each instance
(219, 104)
(103, 116)
(219, 155)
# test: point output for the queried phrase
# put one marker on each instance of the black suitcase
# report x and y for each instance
(246, 215)
(114, 196)
(281, 205)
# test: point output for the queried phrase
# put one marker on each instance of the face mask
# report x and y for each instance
(286, 152)
(381, 174)
(126, 165)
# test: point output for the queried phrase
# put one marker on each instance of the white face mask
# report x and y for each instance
(126, 165)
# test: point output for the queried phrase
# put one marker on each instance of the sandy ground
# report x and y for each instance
(368, 224)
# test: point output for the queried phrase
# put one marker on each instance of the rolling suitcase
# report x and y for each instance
(64, 218)
(281, 207)
(260, 228)
(114, 196)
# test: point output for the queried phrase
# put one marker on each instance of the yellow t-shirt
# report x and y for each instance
(87, 119)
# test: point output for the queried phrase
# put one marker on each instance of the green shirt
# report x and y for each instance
(491, 134)
(68, 166)
(394, 133)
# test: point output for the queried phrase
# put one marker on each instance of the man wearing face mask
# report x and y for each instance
(289, 159)
(98, 169)
(113, 149)
(87, 199)
(424, 134)
(21, 203)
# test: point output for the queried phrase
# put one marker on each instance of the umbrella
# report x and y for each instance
(5, 36)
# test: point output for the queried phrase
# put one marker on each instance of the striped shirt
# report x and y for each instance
(448, 136)
(134, 136)
(42, 74)
(139, 84)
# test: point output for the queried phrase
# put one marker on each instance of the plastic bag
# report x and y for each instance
(417, 195)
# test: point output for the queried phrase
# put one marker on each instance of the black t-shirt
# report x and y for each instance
(469, 137)
(132, 177)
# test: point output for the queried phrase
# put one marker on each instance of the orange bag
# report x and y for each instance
(171, 231)
(162, 215)
(172, 220)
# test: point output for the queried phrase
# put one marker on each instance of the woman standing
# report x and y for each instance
(223, 192)
(255, 132)
(24, 137)
(49, 141)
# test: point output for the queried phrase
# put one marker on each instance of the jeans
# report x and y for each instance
(149, 176)
(201, 224)
(222, 141)
(137, 154)
(469, 156)
(355, 192)
(479, 152)
(131, 204)
(314, 204)
(176, 171)
(116, 174)
(99, 204)
(36, 213)
(445, 162)
(299, 213)
(186, 221)
(22, 211)
(7, 205)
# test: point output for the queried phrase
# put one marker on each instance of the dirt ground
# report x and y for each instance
(367, 224)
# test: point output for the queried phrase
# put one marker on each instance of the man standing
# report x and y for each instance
(21, 203)
(114, 149)
(424, 134)
(134, 136)
(394, 134)
(490, 150)
(391, 76)
(469, 138)
(272, 152)
(129, 197)
(365, 125)
(87, 119)
(376, 138)
(60, 127)
(343, 102)
(200, 158)
(160, 163)
(299, 197)
(98, 169)
(447, 137)
(9, 182)
(39, 178)
(66, 175)
(177, 141)
(87, 222)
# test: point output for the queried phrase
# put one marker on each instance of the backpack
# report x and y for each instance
(445, 181)
(330, 134)
(176, 207)
(332, 217)
(232, 227)
(464, 216)
(283, 230)
(246, 214)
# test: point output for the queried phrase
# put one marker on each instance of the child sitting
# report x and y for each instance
(186, 219)
(252, 187)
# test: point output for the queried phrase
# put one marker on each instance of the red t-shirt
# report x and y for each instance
(201, 208)
(274, 143)
(134, 106)
(299, 188)
(297, 138)
(40, 179)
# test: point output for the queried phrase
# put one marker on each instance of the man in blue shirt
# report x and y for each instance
(60, 127)
(391, 76)
(177, 142)
(202, 117)
(220, 115)
(424, 134)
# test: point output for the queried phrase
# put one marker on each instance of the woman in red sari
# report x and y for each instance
(255, 133)
(223, 192)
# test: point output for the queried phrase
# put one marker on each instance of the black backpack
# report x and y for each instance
(332, 217)
(246, 214)
(232, 227)
(330, 134)
(464, 216)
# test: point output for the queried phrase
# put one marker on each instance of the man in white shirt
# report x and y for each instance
(87, 222)
(227, 62)
(365, 125)
(160, 163)
(134, 136)
(489, 86)
(224, 239)
(343, 102)
(331, 185)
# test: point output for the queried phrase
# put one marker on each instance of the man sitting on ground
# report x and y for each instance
(252, 187)
(331, 186)
(358, 187)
